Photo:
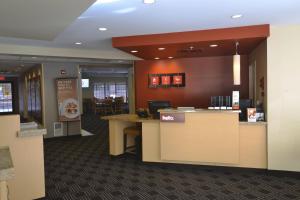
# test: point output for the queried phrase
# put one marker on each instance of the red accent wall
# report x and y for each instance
(205, 77)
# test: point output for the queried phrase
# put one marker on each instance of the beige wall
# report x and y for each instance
(284, 98)
(259, 57)
(52, 71)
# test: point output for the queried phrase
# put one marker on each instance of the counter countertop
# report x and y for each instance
(6, 164)
(32, 132)
(253, 123)
(129, 118)
(197, 111)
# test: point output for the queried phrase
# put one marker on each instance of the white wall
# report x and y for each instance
(51, 72)
(284, 98)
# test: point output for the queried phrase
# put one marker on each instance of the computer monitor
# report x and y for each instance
(154, 106)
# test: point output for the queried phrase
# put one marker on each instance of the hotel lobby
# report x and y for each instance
(149, 99)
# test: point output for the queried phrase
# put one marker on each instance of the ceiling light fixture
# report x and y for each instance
(161, 48)
(134, 51)
(191, 47)
(170, 57)
(213, 45)
(237, 16)
(78, 43)
(157, 58)
(149, 1)
(33, 57)
(102, 29)
(236, 66)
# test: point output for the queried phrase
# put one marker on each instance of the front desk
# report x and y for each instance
(205, 137)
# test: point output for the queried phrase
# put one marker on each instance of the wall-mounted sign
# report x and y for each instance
(63, 72)
(67, 97)
(172, 117)
(167, 80)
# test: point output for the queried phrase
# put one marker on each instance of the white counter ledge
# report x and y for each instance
(6, 164)
(197, 111)
(254, 123)
(31, 129)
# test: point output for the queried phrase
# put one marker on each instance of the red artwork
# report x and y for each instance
(177, 80)
(165, 80)
(154, 80)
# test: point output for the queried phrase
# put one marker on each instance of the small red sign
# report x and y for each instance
(2, 78)
(165, 80)
(177, 79)
(154, 80)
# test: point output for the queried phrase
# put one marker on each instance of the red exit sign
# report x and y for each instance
(2, 78)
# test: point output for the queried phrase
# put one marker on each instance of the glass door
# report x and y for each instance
(6, 98)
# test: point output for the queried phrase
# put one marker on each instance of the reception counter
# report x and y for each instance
(204, 137)
(27, 154)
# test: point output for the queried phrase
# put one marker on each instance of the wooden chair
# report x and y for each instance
(119, 105)
(107, 106)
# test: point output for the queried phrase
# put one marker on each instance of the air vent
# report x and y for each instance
(58, 129)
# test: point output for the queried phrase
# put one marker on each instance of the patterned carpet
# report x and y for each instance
(79, 168)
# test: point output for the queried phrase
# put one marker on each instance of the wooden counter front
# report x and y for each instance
(205, 138)
(210, 137)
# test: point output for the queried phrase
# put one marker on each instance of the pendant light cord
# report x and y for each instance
(236, 47)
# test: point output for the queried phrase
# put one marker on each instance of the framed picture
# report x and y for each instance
(154, 80)
(178, 80)
(165, 80)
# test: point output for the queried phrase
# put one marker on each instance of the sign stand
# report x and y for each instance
(67, 128)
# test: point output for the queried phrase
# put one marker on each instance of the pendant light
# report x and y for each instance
(236, 66)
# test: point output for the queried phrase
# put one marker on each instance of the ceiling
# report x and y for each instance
(39, 20)
(52, 23)
(194, 43)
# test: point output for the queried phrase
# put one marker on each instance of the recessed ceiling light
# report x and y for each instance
(102, 29)
(161, 48)
(237, 16)
(78, 43)
(213, 45)
(170, 57)
(191, 47)
(149, 1)
(157, 58)
(134, 51)
(33, 57)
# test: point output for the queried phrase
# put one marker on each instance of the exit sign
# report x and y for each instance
(2, 78)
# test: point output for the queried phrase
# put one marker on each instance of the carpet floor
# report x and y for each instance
(80, 168)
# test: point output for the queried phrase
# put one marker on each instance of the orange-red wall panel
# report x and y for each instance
(205, 77)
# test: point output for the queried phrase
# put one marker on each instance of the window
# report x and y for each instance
(34, 98)
(110, 89)
(6, 99)
(99, 91)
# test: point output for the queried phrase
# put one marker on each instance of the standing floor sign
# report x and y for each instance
(67, 98)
